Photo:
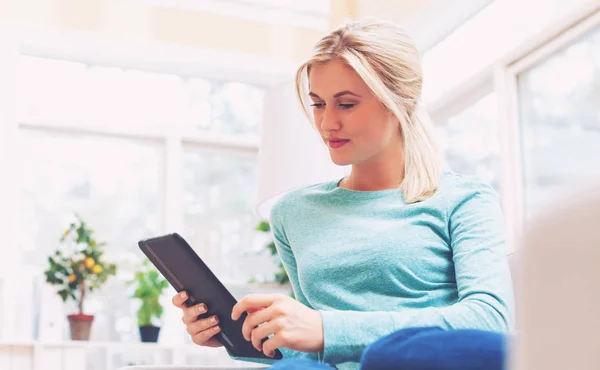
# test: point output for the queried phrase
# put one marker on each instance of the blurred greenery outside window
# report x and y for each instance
(117, 182)
(559, 108)
(471, 142)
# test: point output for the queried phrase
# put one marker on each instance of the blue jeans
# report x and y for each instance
(428, 348)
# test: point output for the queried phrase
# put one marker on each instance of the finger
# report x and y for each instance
(263, 332)
(254, 319)
(252, 302)
(203, 337)
(190, 314)
(202, 325)
(272, 344)
(179, 299)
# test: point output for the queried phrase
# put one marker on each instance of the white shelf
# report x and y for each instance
(17, 344)
(91, 355)
(128, 345)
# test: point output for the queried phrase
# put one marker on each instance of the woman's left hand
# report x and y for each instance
(294, 325)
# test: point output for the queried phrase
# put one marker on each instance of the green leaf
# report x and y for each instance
(158, 310)
(272, 248)
(63, 294)
(148, 285)
(144, 315)
(263, 226)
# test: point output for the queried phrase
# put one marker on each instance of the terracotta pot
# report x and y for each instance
(80, 325)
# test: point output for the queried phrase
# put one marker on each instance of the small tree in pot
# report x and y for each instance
(149, 286)
(78, 268)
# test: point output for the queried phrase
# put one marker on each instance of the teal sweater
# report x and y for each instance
(372, 264)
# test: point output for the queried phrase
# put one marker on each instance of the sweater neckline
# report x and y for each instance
(363, 194)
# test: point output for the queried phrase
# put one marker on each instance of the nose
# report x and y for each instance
(330, 120)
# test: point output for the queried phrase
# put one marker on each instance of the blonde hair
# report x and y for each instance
(387, 60)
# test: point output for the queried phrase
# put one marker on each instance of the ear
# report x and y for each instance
(391, 117)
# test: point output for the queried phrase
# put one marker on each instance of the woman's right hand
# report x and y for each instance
(202, 330)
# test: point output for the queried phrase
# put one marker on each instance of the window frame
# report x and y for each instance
(501, 76)
(156, 57)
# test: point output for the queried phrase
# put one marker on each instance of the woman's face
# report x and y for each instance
(353, 123)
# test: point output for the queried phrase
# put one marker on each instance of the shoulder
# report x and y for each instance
(472, 206)
(458, 189)
(297, 199)
(456, 184)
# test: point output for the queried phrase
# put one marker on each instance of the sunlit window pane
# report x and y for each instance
(471, 143)
(219, 193)
(237, 108)
(94, 176)
(560, 120)
(116, 187)
(476, 44)
(132, 98)
(57, 91)
(51, 90)
(158, 99)
(200, 107)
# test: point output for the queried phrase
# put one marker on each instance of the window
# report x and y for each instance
(477, 43)
(471, 143)
(130, 98)
(75, 158)
(219, 192)
(560, 120)
(114, 183)
(236, 108)
(55, 91)
(51, 90)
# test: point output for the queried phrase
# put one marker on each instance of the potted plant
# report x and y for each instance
(77, 268)
(149, 286)
(281, 276)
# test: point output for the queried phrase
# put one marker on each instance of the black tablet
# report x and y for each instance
(184, 270)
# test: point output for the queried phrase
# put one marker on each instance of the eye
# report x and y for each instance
(318, 105)
(347, 106)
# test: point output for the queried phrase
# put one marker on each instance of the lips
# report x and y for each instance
(337, 143)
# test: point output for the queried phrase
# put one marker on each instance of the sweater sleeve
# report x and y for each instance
(289, 263)
(476, 230)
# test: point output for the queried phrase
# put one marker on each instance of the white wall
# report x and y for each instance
(9, 219)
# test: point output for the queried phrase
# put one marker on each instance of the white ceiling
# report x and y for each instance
(427, 21)
(312, 14)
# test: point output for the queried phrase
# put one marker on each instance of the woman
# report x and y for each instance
(399, 243)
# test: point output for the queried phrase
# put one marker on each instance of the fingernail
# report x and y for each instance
(183, 295)
(216, 329)
(213, 320)
(202, 308)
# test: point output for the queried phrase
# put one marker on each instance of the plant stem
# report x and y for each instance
(81, 297)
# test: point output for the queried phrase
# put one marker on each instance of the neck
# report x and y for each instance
(382, 174)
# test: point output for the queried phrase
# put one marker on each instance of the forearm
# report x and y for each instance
(348, 333)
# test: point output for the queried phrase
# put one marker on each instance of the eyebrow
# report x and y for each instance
(337, 95)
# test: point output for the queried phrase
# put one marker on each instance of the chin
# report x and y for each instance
(341, 161)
